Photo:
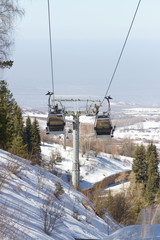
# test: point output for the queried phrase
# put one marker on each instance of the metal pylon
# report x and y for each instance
(75, 167)
(90, 110)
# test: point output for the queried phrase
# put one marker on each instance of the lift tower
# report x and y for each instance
(91, 109)
(75, 165)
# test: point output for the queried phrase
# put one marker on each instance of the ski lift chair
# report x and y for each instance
(55, 123)
(55, 120)
(103, 125)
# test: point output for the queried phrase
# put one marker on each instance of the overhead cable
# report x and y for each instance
(121, 53)
(51, 49)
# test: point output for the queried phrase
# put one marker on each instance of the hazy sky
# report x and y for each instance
(87, 39)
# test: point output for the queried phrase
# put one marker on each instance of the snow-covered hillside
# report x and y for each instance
(145, 130)
(92, 170)
(29, 190)
(137, 232)
(29, 193)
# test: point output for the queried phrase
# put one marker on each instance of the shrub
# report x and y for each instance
(55, 157)
(51, 214)
(59, 191)
(76, 214)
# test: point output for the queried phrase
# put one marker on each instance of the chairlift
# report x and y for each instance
(103, 125)
(55, 119)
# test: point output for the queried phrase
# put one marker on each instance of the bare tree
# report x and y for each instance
(52, 213)
(59, 191)
(9, 10)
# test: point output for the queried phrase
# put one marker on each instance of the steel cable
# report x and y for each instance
(51, 49)
(120, 56)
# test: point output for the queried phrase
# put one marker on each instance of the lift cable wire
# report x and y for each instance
(120, 56)
(51, 49)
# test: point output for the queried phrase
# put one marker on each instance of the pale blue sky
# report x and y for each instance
(87, 39)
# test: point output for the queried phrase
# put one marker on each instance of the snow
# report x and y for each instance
(115, 188)
(142, 111)
(34, 113)
(27, 187)
(152, 232)
(93, 170)
(147, 130)
(24, 194)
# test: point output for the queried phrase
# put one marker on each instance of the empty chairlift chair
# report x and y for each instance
(55, 123)
(103, 125)
(55, 119)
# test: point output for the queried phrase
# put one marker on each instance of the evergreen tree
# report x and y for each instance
(152, 173)
(28, 135)
(36, 143)
(139, 166)
(7, 106)
(18, 147)
(152, 148)
(18, 122)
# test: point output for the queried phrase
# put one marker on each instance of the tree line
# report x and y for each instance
(146, 173)
(144, 190)
(15, 136)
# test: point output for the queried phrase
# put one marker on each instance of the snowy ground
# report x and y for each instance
(23, 199)
(115, 188)
(92, 170)
(147, 129)
(26, 187)
(24, 195)
(137, 232)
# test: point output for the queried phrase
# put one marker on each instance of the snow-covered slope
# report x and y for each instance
(146, 127)
(24, 194)
(92, 169)
(137, 232)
